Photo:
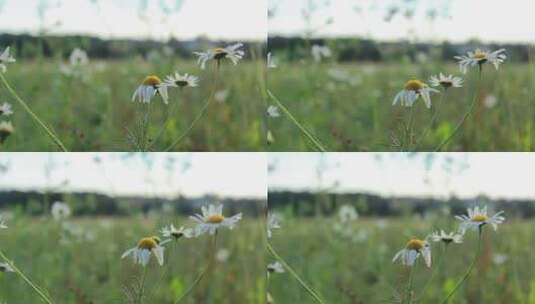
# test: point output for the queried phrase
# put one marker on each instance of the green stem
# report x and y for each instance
(142, 287)
(48, 130)
(409, 284)
(435, 270)
(164, 124)
(433, 120)
(200, 114)
(308, 289)
(466, 115)
(408, 129)
(469, 271)
(307, 134)
(202, 274)
(37, 289)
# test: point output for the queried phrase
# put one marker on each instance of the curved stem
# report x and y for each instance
(37, 289)
(308, 289)
(466, 115)
(47, 129)
(435, 270)
(307, 134)
(433, 120)
(202, 274)
(468, 272)
(200, 114)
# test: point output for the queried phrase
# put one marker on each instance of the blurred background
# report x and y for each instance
(349, 58)
(85, 59)
(345, 215)
(71, 216)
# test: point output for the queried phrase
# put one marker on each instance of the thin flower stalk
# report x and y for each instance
(34, 116)
(317, 144)
(307, 288)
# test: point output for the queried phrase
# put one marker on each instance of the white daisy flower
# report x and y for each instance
(212, 219)
(171, 232)
(446, 81)
(78, 57)
(273, 222)
(447, 238)
(5, 58)
(6, 129)
(275, 267)
(150, 86)
(221, 95)
(144, 249)
(5, 267)
(273, 111)
(5, 109)
(478, 217)
(271, 63)
(499, 259)
(479, 57)
(414, 248)
(60, 210)
(412, 91)
(490, 101)
(319, 52)
(181, 81)
(347, 213)
(231, 52)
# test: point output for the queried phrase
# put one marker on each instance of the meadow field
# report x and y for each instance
(79, 261)
(351, 262)
(90, 108)
(348, 107)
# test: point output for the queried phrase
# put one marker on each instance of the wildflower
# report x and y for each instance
(479, 58)
(271, 63)
(181, 81)
(275, 267)
(231, 52)
(446, 81)
(171, 232)
(499, 259)
(477, 218)
(222, 255)
(5, 109)
(3, 224)
(150, 86)
(490, 101)
(447, 238)
(78, 57)
(319, 52)
(6, 129)
(412, 91)
(347, 213)
(273, 111)
(4, 267)
(221, 96)
(144, 249)
(414, 248)
(212, 219)
(5, 58)
(60, 210)
(273, 222)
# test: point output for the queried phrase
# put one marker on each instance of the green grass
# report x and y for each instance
(356, 114)
(93, 113)
(357, 267)
(90, 270)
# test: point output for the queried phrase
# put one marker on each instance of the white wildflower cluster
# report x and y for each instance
(476, 219)
(209, 221)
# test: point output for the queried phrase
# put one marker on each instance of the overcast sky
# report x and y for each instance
(498, 175)
(184, 19)
(459, 19)
(193, 174)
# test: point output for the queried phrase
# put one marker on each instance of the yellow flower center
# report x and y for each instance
(215, 219)
(479, 218)
(219, 53)
(414, 85)
(152, 81)
(148, 243)
(415, 244)
(479, 55)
